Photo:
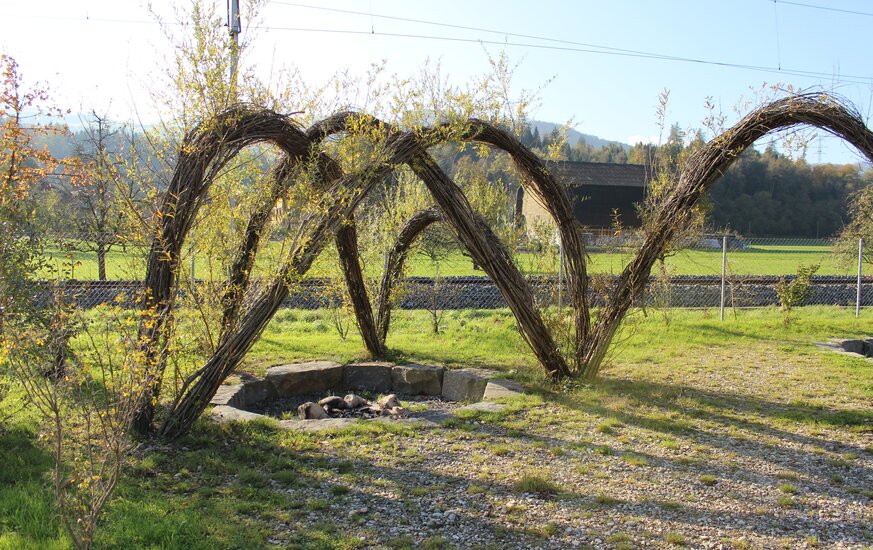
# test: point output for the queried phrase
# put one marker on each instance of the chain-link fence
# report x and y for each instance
(714, 271)
(480, 293)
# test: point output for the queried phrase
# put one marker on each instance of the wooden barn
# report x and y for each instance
(596, 190)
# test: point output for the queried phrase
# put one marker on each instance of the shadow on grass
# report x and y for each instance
(775, 517)
(249, 485)
(27, 508)
(675, 410)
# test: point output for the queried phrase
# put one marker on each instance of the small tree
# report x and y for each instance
(99, 190)
(437, 246)
(86, 377)
(23, 167)
(795, 291)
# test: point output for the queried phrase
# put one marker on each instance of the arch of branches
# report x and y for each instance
(209, 147)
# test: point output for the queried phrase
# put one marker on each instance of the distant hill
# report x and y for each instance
(573, 136)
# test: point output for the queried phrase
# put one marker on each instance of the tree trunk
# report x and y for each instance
(101, 260)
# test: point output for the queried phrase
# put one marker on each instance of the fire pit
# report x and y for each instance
(376, 391)
(850, 346)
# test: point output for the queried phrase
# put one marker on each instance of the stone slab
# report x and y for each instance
(223, 413)
(851, 345)
(372, 376)
(499, 389)
(415, 379)
(256, 391)
(227, 395)
(463, 385)
(300, 378)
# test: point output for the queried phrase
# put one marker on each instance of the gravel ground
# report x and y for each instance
(712, 460)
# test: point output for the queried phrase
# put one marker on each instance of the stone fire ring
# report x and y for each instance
(854, 347)
(475, 386)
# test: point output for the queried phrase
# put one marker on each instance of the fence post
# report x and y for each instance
(860, 267)
(191, 252)
(723, 273)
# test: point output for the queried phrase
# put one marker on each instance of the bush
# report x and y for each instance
(796, 291)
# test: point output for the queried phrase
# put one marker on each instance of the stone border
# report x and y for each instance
(476, 386)
(855, 347)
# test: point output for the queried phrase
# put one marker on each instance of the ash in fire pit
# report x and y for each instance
(367, 406)
(350, 406)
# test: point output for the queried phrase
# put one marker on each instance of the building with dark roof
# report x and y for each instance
(597, 192)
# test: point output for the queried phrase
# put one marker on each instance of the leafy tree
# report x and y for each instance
(100, 191)
(859, 227)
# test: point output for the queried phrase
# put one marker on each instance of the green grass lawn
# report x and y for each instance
(758, 260)
(689, 417)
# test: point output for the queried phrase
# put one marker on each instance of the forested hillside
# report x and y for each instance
(764, 194)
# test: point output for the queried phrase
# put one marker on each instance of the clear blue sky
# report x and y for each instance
(97, 52)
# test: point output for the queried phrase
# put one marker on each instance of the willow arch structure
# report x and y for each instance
(210, 146)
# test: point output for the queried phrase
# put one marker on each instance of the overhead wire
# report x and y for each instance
(849, 79)
(583, 47)
(825, 8)
(559, 44)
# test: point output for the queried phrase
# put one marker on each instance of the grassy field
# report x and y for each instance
(740, 433)
(759, 260)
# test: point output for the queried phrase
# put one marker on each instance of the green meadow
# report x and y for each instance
(757, 260)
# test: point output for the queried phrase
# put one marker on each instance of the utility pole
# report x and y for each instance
(234, 25)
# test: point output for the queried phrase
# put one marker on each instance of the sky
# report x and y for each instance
(603, 63)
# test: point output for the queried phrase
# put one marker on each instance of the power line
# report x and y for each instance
(849, 79)
(583, 47)
(825, 8)
(569, 47)
(452, 26)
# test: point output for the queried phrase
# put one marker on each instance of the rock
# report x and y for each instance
(299, 378)
(852, 346)
(396, 411)
(417, 379)
(223, 413)
(371, 376)
(389, 401)
(311, 411)
(353, 401)
(227, 395)
(497, 389)
(463, 385)
(333, 403)
(244, 395)
(256, 391)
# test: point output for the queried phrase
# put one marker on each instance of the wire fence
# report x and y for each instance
(481, 293)
(712, 272)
